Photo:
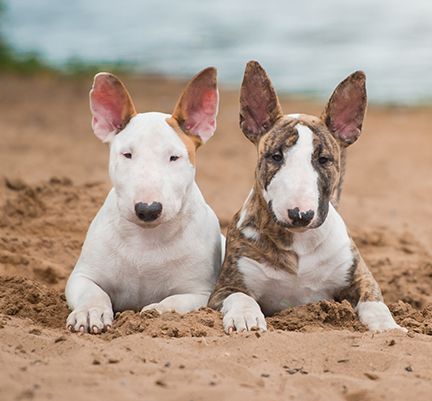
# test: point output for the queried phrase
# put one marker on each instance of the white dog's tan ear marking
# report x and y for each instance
(197, 107)
(259, 104)
(346, 108)
(110, 104)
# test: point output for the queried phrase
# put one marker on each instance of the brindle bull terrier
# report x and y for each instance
(288, 245)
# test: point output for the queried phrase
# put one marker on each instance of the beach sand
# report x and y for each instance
(53, 180)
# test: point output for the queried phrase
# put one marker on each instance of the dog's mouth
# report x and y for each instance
(132, 218)
(148, 225)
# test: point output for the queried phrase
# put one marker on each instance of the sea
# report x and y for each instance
(306, 46)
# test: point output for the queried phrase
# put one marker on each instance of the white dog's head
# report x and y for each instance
(152, 155)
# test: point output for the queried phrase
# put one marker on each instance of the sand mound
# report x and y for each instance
(24, 298)
(41, 231)
(400, 263)
(46, 307)
(416, 320)
(42, 227)
(203, 323)
(319, 315)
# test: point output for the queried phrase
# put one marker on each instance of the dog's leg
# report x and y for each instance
(240, 310)
(364, 292)
(91, 306)
(180, 303)
(242, 313)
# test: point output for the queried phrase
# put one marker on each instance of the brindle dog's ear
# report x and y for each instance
(346, 108)
(259, 104)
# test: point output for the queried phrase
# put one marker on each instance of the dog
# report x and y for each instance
(288, 245)
(155, 243)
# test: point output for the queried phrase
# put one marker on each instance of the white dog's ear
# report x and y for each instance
(346, 108)
(197, 107)
(111, 106)
(259, 103)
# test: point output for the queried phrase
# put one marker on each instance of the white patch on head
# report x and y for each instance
(376, 316)
(149, 176)
(295, 185)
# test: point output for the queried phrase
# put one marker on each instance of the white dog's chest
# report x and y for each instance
(136, 268)
(323, 269)
(132, 284)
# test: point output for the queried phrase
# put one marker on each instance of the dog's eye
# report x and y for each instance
(174, 158)
(323, 160)
(127, 155)
(277, 157)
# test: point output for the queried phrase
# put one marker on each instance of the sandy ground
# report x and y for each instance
(55, 178)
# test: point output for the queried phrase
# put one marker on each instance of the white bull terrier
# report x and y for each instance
(155, 243)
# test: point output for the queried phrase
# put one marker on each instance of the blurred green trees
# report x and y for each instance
(11, 61)
(31, 62)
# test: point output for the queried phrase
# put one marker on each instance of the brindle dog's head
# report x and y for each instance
(299, 156)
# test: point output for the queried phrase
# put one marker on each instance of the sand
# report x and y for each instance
(54, 178)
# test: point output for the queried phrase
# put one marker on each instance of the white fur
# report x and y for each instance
(296, 182)
(324, 260)
(376, 316)
(295, 115)
(241, 312)
(150, 176)
(125, 263)
(244, 210)
(250, 233)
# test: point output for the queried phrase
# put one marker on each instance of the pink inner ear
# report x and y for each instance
(201, 114)
(258, 108)
(346, 121)
(109, 104)
(346, 108)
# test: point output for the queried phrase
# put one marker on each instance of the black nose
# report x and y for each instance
(146, 212)
(300, 219)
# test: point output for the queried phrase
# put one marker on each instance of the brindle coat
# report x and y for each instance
(263, 123)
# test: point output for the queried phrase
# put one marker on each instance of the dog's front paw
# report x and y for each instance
(242, 313)
(157, 306)
(377, 316)
(166, 305)
(92, 319)
(180, 303)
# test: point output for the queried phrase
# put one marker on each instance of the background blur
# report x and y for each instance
(54, 178)
(306, 46)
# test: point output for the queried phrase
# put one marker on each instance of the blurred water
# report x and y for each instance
(306, 46)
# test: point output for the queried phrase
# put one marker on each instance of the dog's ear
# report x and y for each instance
(259, 104)
(111, 106)
(197, 107)
(346, 108)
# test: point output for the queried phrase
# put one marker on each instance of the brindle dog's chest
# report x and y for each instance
(324, 265)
